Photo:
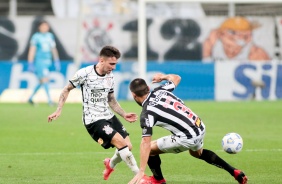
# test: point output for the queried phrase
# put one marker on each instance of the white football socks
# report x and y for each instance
(115, 159)
(129, 159)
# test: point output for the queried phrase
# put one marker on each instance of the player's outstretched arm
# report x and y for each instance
(115, 106)
(63, 97)
(145, 148)
(170, 77)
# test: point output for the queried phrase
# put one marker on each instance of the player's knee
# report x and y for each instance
(129, 146)
(196, 154)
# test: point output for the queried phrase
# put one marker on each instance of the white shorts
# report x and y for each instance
(178, 144)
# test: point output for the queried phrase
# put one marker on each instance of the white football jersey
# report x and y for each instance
(95, 89)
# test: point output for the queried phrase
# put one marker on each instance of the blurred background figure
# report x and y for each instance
(42, 48)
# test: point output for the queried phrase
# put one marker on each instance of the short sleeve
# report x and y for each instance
(168, 86)
(112, 86)
(147, 122)
(53, 43)
(78, 78)
(33, 40)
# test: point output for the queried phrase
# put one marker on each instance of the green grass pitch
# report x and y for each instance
(36, 152)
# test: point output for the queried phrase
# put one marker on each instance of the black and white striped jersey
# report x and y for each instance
(95, 89)
(162, 108)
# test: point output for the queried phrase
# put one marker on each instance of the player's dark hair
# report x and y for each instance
(40, 22)
(139, 87)
(110, 51)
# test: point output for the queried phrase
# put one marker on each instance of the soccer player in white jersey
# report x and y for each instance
(97, 86)
(162, 108)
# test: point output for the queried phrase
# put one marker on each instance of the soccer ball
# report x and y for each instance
(232, 143)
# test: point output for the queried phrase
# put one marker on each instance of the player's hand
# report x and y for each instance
(157, 78)
(137, 178)
(57, 65)
(54, 116)
(130, 117)
(30, 67)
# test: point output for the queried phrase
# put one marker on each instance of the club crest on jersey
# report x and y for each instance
(108, 130)
(144, 131)
(100, 141)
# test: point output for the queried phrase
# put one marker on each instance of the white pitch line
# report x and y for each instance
(99, 153)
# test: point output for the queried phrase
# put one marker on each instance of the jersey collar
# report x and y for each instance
(97, 72)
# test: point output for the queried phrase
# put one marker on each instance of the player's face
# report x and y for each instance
(108, 64)
(44, 27)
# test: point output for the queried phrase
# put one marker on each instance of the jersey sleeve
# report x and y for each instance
(147, 122)
(53, 43)
(168, 86)
(112, 86)
(33, 40)
(78, 78)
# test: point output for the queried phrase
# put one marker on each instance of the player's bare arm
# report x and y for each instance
(145, 148)
(115, 106)
(63, 97)
(170, 77)
(31, 54)
(55, 54)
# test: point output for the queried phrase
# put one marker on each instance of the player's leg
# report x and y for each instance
(104, 134)
(212, 158)
(125, 154)
(117, 138)
(167, 144)
(39, 75)
(117, 125)
(154, 163)
(116, 157)
(45, 82)
(37, 87)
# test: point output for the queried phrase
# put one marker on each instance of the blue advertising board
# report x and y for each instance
(197, 78)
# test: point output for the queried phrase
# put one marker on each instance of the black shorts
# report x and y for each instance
(102, 131)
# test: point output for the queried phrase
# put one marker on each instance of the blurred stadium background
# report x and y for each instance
(224, 50)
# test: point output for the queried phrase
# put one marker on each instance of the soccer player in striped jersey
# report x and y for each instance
(162, 108)
(97, 86)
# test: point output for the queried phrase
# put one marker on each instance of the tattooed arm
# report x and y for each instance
(113, 103)
(63, 97)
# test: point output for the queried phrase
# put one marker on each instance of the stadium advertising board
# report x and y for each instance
(197, 78)
(220, 81)
(243, 81)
